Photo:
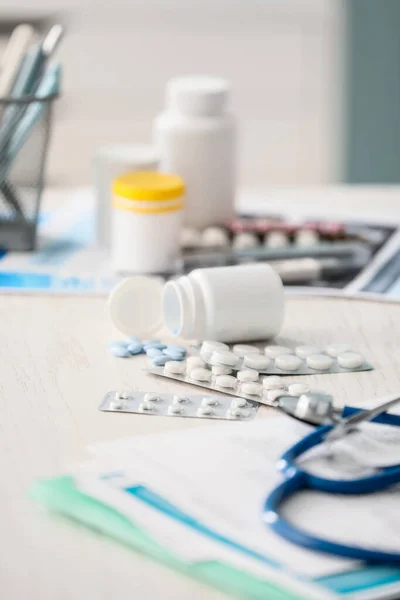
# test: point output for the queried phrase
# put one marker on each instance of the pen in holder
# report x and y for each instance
(25, 127)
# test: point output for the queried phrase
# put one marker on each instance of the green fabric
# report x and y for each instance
(60, 495)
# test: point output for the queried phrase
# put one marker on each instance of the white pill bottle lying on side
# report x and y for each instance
(226, 304)
(195, 138)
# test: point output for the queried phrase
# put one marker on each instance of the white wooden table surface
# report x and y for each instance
(54, 371)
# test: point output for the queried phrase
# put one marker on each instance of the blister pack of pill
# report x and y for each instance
(247, 383)
(200, 406)
(282, 360)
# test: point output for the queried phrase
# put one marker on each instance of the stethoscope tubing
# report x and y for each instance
(296, 479)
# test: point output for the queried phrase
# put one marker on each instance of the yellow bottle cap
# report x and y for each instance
(148, 185)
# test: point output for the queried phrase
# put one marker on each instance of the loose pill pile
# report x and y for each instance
(280, 360)
(171, 405)
(246, 384)
(156, 350)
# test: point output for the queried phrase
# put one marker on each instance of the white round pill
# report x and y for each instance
(304, 351)
(274, 351)
(209, 401)
(350, 360)
(243, 349)
(200, 374)
(146, 406)
(215, 236)
(204, 411)
(256, 361)
(116, 405)
(336, 349)
(209, 346)
(272, 395)
(252, 388)
(296, 389)
(176, 367)
(273, 382)
(122, 395)
(224, 358)
(245, 239)
(288, 362)
(238, 403)
(247, 375)
(236, 413)
(150, 397)
(319, 362)
(194, 361)
(276, 239)
(175, 409)
(226, 381)
(179, 400)
(220, 370)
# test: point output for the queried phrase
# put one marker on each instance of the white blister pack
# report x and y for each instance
(202, 406)
(283, 360)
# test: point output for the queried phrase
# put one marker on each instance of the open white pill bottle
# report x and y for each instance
(146, 222)
(227, 304)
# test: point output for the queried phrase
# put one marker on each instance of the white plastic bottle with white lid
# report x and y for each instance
(195, 138)
(226, 304)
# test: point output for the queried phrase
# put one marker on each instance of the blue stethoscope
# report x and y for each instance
(315, 408)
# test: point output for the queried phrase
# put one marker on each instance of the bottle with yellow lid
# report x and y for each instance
(146, 222)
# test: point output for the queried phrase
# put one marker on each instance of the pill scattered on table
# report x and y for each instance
(148, 342)
(350, 360)
(160, 361)
(288, 362)
(247, 375)
(173, 354)
(304, 351)
(120, 351)
(336, 349)
(152, 352)
(296, 389)
(243, 349)
(226, 381)
(256, 361)
(157, 345)
(274, 351)
(174, 366)
(224, 358)
(319, 362)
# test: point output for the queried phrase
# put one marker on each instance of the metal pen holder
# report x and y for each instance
(25, 126)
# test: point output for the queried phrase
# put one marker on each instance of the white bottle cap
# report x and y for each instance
(198, 95)
(134, 306)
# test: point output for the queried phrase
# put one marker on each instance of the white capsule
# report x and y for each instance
(319, 362)
(200, 374)
(272, 395)
(256, 361)
(194, 361)
(209, 401)
(190, 237)
(252, 388)
(224, 358)
(296, 389)
(245, 239)
(238, 403)
(247, 375)
(288, 362)
(179, 400)
(276, 239)
(150, 397)
(274, 351)
(336, 349)
(215, 237)
(209, 346)
(226, 381)
(273, 382)
(243, 349)
(175, 367)
(146, 406)
(175, 409)
(350, 360)
(205, 411)
(220, 370)
(304, 351)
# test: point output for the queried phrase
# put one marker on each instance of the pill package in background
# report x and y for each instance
(195, 406)
(247, 384)
(282, 360)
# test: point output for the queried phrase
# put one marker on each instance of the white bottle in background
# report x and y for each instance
(195, 138)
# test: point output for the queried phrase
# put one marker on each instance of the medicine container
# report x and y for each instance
(227, 304)
(146, 222)
(195, 138)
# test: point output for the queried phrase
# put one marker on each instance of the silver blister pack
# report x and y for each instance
(273, 369)
(266, 397)
(200, 406)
